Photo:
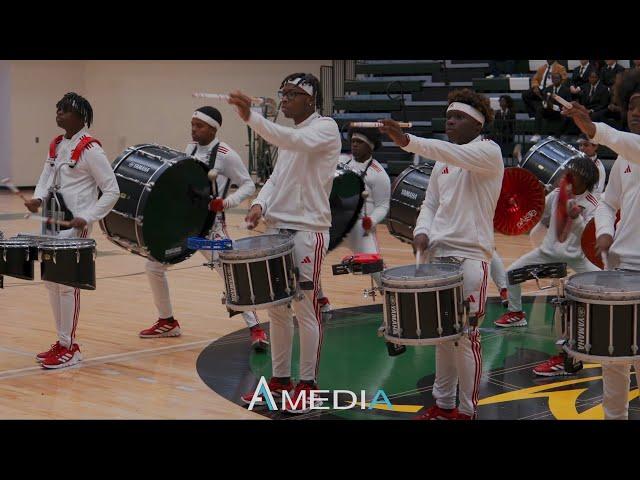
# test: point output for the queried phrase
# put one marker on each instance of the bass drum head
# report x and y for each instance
(547, 158)
(346, 203)
(176, 209)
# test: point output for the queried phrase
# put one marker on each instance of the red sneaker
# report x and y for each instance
(511, 319)
(504, 297)
(557, 366)
(325, 305)
(52, 351)
(259, 341)
(276, 389)
(162, 328)
(301, 399)
(437, 413)
(64, 357)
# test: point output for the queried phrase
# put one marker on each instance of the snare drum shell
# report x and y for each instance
(239, 288)
(67, 270)
(19, 262)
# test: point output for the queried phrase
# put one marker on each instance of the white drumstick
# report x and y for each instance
(11, 186)
(418, 259)
(378, 124)
(562, 101)
(47, 220)
(605, 260)
(222, 97)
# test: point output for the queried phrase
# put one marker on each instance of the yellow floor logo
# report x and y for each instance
(562, 404)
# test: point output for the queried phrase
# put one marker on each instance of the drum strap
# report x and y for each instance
(364, 172)
(211, 165)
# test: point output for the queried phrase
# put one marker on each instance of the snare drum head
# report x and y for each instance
(426, 275)
(615, 284)
(257, 247)
(68, 244)
(346, 203)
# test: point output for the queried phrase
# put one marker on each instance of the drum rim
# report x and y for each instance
(16, 242)
(599, 358)
(423, 341)
(257, 254)
(579, 294)
(424, 282)
(68, 244)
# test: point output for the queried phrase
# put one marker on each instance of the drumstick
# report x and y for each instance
(562, 101)
(365, 195)
(222, 97)
(605, 260)
(7, 182)
(418, 254)
(378, 124)
(47, 220)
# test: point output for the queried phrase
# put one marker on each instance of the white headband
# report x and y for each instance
(206, 119)
(306, 88)
(468, 109)
(633, 96)
(362, 137)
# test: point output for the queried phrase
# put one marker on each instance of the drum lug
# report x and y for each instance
(610, 349)
(587, 347)
(139, 220)
(78, 256)
(4, 255)
(634, 349)
(439, 330)
(54, 257)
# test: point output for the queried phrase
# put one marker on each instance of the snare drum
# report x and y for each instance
(259, 272)
(423, 306)
(69, 261)
(17, 256)
(547, 158)
(602, 318)
(407, 194)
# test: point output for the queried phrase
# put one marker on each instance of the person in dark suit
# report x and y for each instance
(612, 115)
(609, 72)
(580, 78)
(503, 125)
(549, 109)
(595, 96)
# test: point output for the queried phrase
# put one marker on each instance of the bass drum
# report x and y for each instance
(407, 194)
(547, 158)
(164, 198)
(346, 203)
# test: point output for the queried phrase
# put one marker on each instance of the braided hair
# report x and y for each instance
(72, 102)
(584, 167)
(307, 79)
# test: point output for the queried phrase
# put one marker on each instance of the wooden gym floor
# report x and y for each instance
(126, 377)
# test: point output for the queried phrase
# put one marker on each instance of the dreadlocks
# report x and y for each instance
(307, 79)
(584, 167)
(72, 102)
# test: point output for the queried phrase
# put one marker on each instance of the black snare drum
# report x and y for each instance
(259, 272)
(602, 318)
(547, 159)
(17, 256)
(69, 261)
(423, 306)
(346, 202)
(407, 194)
(164, 198)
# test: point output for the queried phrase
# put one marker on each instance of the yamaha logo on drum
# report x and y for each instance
(393, 314)
(409, 194)
(581, 317)
(231, 286)
(172, 251)
(138, 166)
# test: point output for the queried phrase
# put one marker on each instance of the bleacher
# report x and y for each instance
(416, 91)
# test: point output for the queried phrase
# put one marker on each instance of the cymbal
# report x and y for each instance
(521, 202)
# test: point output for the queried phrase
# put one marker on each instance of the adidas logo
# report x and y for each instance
(628, 170)
(446, 170)
(306, 260)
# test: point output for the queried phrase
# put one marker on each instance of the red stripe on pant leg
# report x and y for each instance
(76, 313)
